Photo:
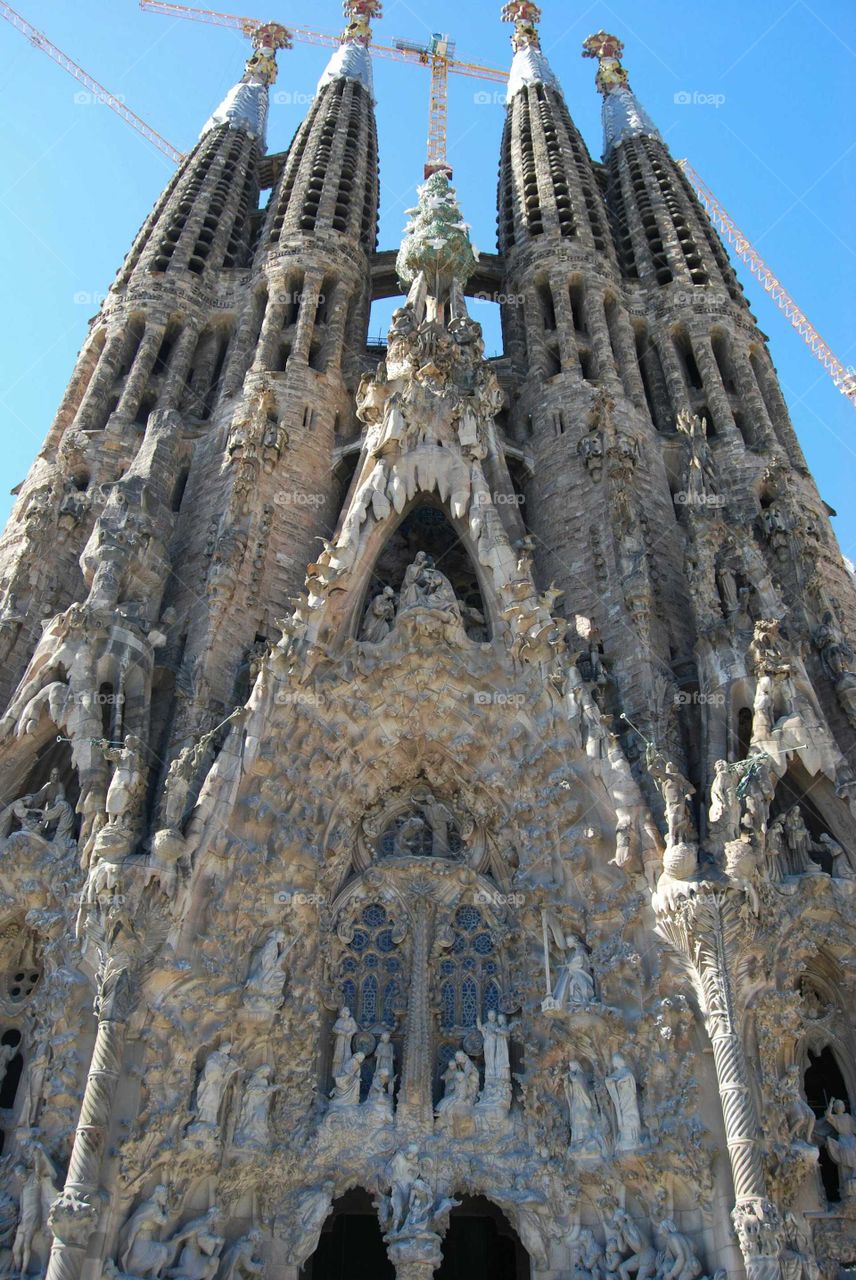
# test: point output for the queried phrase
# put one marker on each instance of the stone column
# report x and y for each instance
(74, 1215)
(717, 396)
(103, 378)
(415, 1111)
(313, 285)
(705, 927)
(175, 378)
(141, 370)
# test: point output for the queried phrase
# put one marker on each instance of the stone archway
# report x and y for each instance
(351, 1243)
(481, 1244)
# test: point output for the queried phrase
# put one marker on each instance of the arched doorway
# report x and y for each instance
(351, 1243)
(481, 1244)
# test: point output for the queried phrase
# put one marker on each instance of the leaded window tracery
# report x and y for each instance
(371, 970)
(470, 972)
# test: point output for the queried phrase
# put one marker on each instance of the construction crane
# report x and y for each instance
(844, 379)
(40, 41)
(437, 55)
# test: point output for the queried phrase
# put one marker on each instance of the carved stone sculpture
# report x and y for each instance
(141, 1249)
(842, 1148)
(587, 1137)
(214, 1080)
(241, 1261)
(681, 1261)
(574, 982)
(346, 1092)
(344, 1030)
(253, 1127)
(621, 1086)
(266, 979)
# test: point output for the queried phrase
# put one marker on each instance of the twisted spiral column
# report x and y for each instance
(74, 1215)
(700, 928)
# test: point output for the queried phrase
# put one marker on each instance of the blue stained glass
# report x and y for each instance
(459, 945)
(483, 944)
(448, 966)
(468, 918)
(447, 1004)
(384, 941)
(370, 961)
(469, 1003)
(387, 842)
(491, 997)
(468, 963)
(489, 966)
(369, 1009)
(349, 964)
(392, 965)
(390, 998)
(360, 940)
(349, 994)
(374, 915)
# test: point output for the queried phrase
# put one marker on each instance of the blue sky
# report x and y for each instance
(777, 149)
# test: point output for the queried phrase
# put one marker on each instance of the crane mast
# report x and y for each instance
(844, 379)
(40, 41)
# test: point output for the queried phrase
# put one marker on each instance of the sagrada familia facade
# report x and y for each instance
(427, 830)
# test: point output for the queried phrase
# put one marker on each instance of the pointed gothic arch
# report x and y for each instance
(425, 524)
(351, 1243)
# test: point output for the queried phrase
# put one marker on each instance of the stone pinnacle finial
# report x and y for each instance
(436, 241)
(360, 14)
(267, 39)
(608, 50)
(525, 16)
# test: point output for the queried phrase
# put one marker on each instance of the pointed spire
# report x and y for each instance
(352, 60)
(529, 65)
(245, 106)
(623, 114)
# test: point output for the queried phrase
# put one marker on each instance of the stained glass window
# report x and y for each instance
(370, 970)
(469, 971)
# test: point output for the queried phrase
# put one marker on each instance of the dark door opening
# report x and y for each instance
(481, 1244)
(351, 1243)
(822, 1082)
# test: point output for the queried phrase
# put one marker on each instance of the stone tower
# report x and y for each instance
(428, 840)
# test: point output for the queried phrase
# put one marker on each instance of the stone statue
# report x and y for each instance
(461, 1086)
(677, 793)
(843, 1148)
(621, 1086)
(7, 1053)
(200, 1246)
(379, 618)
(128, 783)
(266, 980)
(216, 1075)
(842, 867)
(799, 1117)
(643, 1256)
(403, 1172)
(38, 1189)
(425, 587)
(346, 1092)
(586, 1122)
(681, 1261)
(763, 709)
(252, 1129)
(800, 843)
(384, 1055)
(574, 987)
(839, 662)
(496, 1035)
(313, 1209)
(242, 1259)
(776, 851)
(724, 813)
(439, 818)
(141, 1250)
(798, 1261)
(756, 789)
(344, 1030)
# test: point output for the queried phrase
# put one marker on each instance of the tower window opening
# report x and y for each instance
(548, 309)
(588, 365)
(577, 296)
(684, 349)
